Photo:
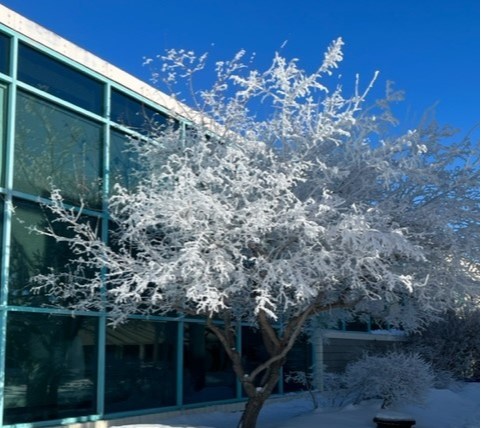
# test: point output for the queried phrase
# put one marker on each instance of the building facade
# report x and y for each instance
(65, 117)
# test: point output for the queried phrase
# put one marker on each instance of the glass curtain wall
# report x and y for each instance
(55, 129)
(50, 357)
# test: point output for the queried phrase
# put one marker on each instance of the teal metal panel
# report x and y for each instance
(43, 201)
(104, 234)
(54, 311)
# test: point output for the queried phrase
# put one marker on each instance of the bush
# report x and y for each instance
(334, 394)
(394, 377)
(305, 381)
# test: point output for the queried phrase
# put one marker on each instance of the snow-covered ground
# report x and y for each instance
(442, 409)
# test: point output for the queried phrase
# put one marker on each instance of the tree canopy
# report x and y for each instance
(279, 200)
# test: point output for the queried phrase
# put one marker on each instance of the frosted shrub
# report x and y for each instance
(394, 377)
(305, 381)
(334, 392)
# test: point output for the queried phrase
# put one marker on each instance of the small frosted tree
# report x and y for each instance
(278, 202)
(305, 380)
(396, 378)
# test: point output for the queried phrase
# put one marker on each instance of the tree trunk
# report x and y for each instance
(258, 391)
(258, 396)
(251, 412)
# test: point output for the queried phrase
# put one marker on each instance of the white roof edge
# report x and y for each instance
(53, 41)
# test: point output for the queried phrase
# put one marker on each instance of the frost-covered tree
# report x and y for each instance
(396, 378)
(305, 380)
(279, 201)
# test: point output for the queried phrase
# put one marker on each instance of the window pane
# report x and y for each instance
(133, 114)
(58, 79)
(208, 373)
(50, 368)
(56, 146)
(4, 53)
(140, 369)
(124, 165)
(32, 253)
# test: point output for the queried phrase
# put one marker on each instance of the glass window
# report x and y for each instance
(131, 113)
(299, 359)
(208, 373)
(50, 367)
(60, 80)
(32, 254)
(4, 53)
(55, 146)
(140, 371)
(124, 165)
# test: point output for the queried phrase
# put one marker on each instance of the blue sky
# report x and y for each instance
(429, 48)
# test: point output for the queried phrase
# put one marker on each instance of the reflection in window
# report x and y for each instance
(32, 253)
(4, 53)
(56, 146)
(133, 114)
(49, 75)
(299, 359)
(50, 367)
(140, 366)
(208, 374)
(124, 165)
